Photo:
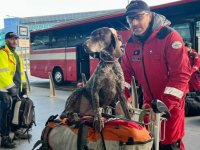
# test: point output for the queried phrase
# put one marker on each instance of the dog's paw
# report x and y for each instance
(98, 123)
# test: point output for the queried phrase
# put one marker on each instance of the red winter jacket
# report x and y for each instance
(194, 60)
(160, 64)
(194, 83)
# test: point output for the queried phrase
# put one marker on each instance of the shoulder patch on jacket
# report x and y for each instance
(164, 32)
(177, 45)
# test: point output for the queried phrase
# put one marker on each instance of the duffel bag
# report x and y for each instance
(79, 135)
(23, 113)
(121, 134)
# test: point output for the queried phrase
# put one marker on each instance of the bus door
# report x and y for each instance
(83, 62)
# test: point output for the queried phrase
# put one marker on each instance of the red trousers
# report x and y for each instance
(175, 125)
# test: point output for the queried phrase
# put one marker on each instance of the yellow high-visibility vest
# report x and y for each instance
(8, 68)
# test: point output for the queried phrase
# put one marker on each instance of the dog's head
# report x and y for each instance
(104, 39)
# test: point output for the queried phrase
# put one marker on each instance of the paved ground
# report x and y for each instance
(46, 106)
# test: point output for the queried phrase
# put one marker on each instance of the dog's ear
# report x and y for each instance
(113, 41)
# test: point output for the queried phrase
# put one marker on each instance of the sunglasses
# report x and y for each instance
(137, 17)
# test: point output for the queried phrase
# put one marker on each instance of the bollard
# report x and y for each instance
(28, 83)
(134, 94)
(52, 87)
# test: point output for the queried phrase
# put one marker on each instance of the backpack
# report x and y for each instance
(23, 113)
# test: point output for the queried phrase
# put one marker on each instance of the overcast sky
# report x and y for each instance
(26, 8)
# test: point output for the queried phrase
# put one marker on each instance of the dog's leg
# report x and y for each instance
(98, 122)
(124, 106)
(123, 100)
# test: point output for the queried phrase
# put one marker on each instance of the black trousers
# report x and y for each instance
(5, 113)
(173, 146)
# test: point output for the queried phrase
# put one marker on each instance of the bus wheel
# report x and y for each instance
(58, 77)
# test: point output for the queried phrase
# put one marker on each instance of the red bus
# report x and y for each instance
(59, 49)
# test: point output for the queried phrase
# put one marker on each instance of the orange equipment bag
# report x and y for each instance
(79, 135)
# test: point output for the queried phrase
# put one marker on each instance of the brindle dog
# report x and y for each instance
(106, 85)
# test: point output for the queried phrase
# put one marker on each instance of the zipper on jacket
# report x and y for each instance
(144, 70)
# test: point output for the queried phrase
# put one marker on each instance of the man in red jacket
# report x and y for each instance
(157, 57)
(194, 83)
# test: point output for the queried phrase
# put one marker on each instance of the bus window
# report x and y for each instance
(75, 39)
(119, 25)
(59, 39)
(198, 36)
(40, 41)
(184, 30)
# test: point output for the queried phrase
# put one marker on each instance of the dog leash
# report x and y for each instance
(103, 141)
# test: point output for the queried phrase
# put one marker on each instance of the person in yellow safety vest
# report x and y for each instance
(12, 83)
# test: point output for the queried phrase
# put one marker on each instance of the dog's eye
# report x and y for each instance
(122, 47)
(119, 37)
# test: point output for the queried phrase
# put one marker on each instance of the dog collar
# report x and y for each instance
(108, 55)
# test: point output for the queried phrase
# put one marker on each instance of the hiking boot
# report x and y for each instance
(6, 142)
(21, 135)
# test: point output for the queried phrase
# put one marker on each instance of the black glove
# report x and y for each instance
(198, 71)
(24, 89)
(6, 98)
(13, 91)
